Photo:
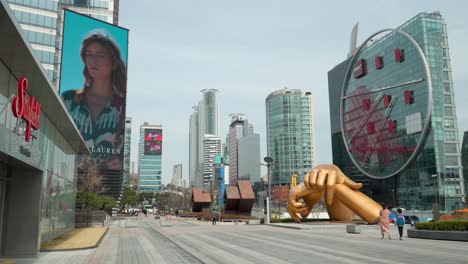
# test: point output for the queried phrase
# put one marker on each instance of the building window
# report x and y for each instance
(450, 136)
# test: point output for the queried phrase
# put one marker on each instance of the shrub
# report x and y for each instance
(453, 225)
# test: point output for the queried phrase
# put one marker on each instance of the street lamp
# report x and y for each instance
(436, 205)
(269, 161)
(436, 176)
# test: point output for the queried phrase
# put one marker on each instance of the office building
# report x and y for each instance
(127, 148)
(402, 161)
(41, 22)
(38, 168)
(243, 147)
(203, 121)
(464, 159)
(290, 134)
(211, 148)
(193, 147)
(248, 158)
(150, 158)
(177, 179)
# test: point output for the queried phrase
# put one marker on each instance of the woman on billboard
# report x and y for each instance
(98, 109)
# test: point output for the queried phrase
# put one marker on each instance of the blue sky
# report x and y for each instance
(248, 49)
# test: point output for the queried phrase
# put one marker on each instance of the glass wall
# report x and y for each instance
(436, 173)
(289, 135)
(48, 151)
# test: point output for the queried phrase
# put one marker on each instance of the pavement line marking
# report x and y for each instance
(149, 248)
(332, 252)
(210, 251)
(241, 249)
(385, 246)
(156, 234)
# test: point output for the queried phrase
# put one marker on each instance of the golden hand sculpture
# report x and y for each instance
(342, 197)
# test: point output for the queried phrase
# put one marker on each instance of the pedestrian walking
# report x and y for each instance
(400, 222)
(384, 222)
(213, 217)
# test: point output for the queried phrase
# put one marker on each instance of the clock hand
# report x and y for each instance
(390, 107)
(387, 115)
(366, 118)
(384, 88)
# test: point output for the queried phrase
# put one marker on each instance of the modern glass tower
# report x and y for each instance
(127, 147)
(243, 150)
(193, 147)
(464, 158)
(290, 134)
(150, 158)
(211, 148)
(436, 173)
(203, 121)
(41, 21)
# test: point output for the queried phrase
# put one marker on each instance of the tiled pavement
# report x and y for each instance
(159, 241)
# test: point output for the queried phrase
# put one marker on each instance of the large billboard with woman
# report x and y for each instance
(93, 85)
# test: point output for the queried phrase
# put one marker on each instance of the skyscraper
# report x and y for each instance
(177, 179)
(127, 147)
(41, 22)
(193, 147)
(248, 158)
(435, 175)
(150, 158)
(203, 121)
(464, 158)
(243, 150)
(211, 148)
(290, 134)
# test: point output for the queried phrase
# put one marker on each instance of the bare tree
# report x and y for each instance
(89, 179)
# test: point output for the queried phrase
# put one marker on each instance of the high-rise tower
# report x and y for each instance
(127, 147)
(243, 150)
(42, 21)
(150, 158)
(203, 121)
(290, 134)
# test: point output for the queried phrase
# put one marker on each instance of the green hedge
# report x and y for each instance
(455, 225)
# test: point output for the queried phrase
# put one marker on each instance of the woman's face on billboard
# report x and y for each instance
(98, 61)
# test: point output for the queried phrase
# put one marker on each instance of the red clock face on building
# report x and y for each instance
(386, 104)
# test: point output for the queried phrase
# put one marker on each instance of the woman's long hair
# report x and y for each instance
(119, 76)
(119, 72)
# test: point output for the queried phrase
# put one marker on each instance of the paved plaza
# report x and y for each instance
(146, 240)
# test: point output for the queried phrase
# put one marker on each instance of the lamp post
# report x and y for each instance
(436, 176)
(436, 205)
(269, 161)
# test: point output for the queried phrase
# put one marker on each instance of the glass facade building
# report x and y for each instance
(243, 151)
(436, 170)
(464, 157)
(290, 134)
(211, 148)
(127, 147)
(149, 162)
(41, 21)
(37, 175)
(203, 121)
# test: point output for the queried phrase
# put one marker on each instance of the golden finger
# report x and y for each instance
(331, 181)
(351, 184)
(321, 179)
(313, 178)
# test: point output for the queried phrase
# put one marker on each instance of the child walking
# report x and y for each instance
(400, 222)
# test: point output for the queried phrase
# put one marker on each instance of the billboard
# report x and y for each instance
(93, 85)
(153, 142)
